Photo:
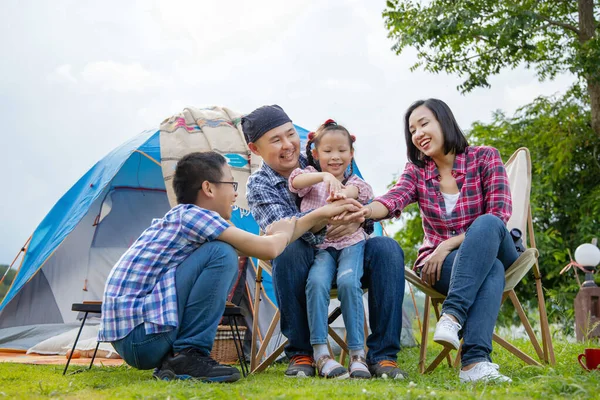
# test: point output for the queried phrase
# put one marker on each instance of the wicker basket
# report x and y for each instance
(224, 347)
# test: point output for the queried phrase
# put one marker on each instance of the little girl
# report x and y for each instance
(324, 180)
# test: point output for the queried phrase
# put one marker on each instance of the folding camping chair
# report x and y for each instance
(257, 364)
(518, 168)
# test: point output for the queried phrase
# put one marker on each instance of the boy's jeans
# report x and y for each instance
(348, 263)
(203, 281)
(473, 279)
(383, 275)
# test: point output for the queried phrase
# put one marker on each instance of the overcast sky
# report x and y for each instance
(78, 78)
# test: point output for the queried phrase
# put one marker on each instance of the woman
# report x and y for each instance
(464, 199)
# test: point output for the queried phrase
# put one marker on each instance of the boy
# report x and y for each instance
(164, 298)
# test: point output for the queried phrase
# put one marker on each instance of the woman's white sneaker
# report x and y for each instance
(446, 332)
(483, 371)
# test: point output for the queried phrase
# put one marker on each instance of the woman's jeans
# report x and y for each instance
(203, 281)
(473, 280)
(348, 263)
(383, 275)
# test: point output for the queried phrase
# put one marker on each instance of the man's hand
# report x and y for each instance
(339, 231)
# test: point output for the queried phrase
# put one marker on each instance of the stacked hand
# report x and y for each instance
(284, 226)
(334, 187)
(341, 207)
(359, 215)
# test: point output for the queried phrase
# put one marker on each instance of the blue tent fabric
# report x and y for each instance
(120, 168)
(74, 204)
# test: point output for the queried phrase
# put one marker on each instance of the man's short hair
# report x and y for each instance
(192, 170)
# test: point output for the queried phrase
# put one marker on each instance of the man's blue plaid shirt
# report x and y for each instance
(270, 199)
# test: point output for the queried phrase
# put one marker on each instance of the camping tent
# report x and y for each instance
(71, 252)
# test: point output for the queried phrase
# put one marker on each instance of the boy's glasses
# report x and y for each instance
(234, 184)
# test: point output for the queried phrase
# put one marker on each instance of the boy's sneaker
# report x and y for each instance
(446, 332)
(301, 366)
(485, 372)
(387, 369)
(190, 363)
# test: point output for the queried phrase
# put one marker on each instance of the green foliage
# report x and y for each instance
(477, 39)
(564, 380)
(7, 280)
(410, 237)
(565, 192)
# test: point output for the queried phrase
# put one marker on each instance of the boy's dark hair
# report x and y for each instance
(315, 137)
(192, 170)
(454, 139)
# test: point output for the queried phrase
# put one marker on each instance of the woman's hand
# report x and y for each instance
(432, 269)
(284, 226)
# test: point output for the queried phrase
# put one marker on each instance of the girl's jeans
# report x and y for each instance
(348, 263)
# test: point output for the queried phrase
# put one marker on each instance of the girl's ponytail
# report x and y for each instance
(309, 156)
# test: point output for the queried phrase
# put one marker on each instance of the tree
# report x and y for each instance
(565, 191)
(478, 38)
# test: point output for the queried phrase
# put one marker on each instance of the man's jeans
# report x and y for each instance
(473, 279)
(203, 281)
(348, 263)
(383, 275)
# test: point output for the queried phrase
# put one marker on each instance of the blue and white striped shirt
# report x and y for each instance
(141, 286)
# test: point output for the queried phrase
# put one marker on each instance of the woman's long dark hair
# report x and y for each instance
(454, 139)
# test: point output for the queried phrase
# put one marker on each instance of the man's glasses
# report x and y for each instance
(235, 184)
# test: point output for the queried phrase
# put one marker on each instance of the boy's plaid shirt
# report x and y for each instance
(483, 186)
(141, 286)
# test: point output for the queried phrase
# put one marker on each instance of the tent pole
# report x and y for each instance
(148, 157)
(23, 250)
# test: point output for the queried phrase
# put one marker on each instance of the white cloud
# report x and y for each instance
(347, 85)
(120, 77)
(517, 95)
(62, 74)
(123, 72)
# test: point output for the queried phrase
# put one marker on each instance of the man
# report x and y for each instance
(270, 134)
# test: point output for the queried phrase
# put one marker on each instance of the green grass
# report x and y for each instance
(565, 380)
